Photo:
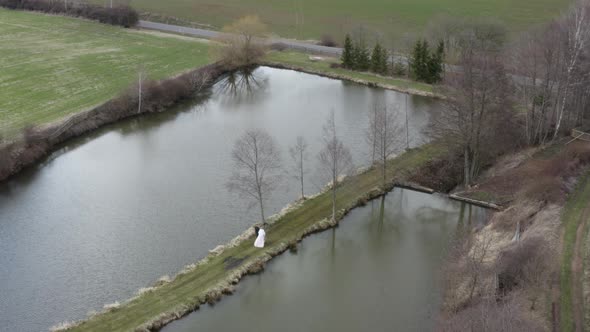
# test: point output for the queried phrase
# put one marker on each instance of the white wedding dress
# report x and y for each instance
(259, 243)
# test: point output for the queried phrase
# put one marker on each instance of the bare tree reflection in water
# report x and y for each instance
(244, 85)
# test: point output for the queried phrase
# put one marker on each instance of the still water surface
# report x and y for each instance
(113, 211)
(378, 271)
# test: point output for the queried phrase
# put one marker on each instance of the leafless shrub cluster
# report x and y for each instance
(242, 42)
(122, 15)
(528, 265)
(491, 316)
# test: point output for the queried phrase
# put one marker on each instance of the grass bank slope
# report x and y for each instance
(302, 62)
(53, 66)
(188, 290)
(338, 16)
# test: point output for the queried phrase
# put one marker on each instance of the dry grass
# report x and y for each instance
(536, 185)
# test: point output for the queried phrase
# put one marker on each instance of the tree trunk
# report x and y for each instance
(466, 167)
(261, 209)
(301, 169)
(334, 183)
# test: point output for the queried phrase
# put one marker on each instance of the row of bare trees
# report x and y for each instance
(554, 62)
(257, 159)
(257, 164)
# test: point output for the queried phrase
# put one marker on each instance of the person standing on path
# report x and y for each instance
(260, 236)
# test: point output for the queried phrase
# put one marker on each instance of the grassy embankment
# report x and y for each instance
(55, 66)
(577, 211)
(188, 290)
(335, 17)
(301, 62)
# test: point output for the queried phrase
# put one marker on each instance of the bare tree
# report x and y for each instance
(299, 156)
(577, 33)
(479, 104)
(257, 161)
(538, 64)
(241, 43)
(371, 134)
(384, 135)
(334, 158)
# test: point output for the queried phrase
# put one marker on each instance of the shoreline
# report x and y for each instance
(416, 92)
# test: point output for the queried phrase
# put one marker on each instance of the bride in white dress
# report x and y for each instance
(259, 243)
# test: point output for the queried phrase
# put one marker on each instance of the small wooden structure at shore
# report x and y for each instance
(579, 135)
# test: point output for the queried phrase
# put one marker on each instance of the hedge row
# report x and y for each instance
(120, 15)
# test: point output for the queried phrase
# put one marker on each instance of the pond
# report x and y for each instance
(113, 211)
(378, 271)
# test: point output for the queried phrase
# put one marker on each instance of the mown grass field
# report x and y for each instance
(188, 287)
(53, 66)
(337, 16)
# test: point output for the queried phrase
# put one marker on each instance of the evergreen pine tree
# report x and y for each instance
(416, 59)
(348, 53)
(355, 57)
(424, 71)
(363, 60)
(383, 61)
(436, 64)
(376, 58)
(422, 61)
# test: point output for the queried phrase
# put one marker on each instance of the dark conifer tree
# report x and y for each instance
(348, 53)
(436, 64)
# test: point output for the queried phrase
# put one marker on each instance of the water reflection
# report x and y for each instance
(244, 85)
(377, 271)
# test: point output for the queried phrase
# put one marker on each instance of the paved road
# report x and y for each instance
(208, 34)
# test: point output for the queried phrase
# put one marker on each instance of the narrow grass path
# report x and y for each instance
(190, 289)
(575, 219)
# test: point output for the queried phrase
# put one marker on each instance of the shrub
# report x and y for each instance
(278, 46)
(441, 174)
(327, 40)
(399, 69)
(120, 15)
(491, 316)
(240, 46)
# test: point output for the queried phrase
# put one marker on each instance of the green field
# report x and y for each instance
(53, 66)
(393, 17)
